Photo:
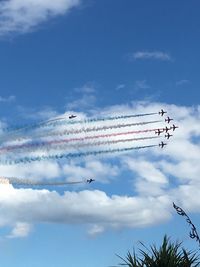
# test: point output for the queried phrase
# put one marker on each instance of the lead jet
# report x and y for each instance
(168, 135)
(90, 180)
(162, 112)
(168, 120)
(158, 132)
(174, 127)
(72, 116)
(166, 129)
(162, 144)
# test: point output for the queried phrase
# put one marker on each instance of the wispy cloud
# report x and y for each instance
(154, 55)
(84, 102)
(8, 99)
(141, 84)
(120, 86)
(21, 229)
(24, 15)
(182, 82)
(84, 97)
(87, 88)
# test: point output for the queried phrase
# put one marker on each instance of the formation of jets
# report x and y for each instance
(166, 129)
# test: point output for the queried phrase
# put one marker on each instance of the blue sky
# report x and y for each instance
(99, 58)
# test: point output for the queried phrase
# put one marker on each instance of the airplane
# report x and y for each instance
(158, 132)
(162, 144)
(168, 135)
(90, 180)
(166, 129)
(72, 116)
(168, 120)
(162, 112)
(174, 127)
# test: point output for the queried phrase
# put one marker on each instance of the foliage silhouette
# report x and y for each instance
(168, 255)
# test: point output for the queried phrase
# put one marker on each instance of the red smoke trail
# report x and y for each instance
(100, 143)
(85, 130)
(47, 143)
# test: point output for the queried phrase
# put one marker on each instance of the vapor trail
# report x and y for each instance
(62, 120)
(71, 155)
(100, 143)
(92, 129)
(19, 181)
(41, 144)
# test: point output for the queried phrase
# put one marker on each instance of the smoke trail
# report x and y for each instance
(112, 118)
(92, 129)
(19, 181)
(40, 144)
(89, 144)
(58, 121)
(72, 155)
(100, 143)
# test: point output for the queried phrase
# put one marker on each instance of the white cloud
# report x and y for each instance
(20, 230)
(157, 55)
(37, 170)
(96, 230)
(120, 86)
(84, 207)
(86, 97)
(87, 88)
(84, 102)
(23, 15)
(92, 169)
(159, 177)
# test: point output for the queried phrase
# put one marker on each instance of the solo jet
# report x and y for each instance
(72, 116)
(168, 135)
(168, 120)
(162, 144)
(162, 112)
(90, 180)
(173, 127)
(166, 129)
(158, 132)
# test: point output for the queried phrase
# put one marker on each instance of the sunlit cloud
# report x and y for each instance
(158, 177)
(21, 16)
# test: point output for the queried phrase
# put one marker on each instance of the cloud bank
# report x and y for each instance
(158, 177)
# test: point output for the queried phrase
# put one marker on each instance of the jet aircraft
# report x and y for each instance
(168, 135)
(162, 112)
(158, 132)
(90, 180)
(72, 116)
(174, 127)
(168, 120)
(166, 129)
(162, 144)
